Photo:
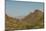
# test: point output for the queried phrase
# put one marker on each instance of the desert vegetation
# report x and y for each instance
(34, 20)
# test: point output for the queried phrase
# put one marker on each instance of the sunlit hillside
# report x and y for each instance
(34, 20)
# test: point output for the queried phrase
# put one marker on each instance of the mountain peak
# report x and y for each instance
(37, 10)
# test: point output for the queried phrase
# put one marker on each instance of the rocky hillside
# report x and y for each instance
(34, 20)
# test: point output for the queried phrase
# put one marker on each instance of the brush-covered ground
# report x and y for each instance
(34, 20)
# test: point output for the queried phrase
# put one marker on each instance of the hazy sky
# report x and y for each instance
(18, 8)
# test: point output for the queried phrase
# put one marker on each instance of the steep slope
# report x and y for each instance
(35, 19)
(34, 16)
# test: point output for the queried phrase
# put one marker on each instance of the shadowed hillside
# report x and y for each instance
(34, 20)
